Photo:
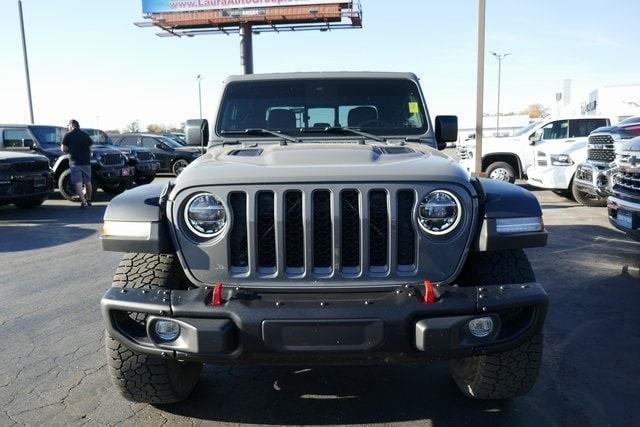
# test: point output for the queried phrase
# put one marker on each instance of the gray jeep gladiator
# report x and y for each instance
(323, 226)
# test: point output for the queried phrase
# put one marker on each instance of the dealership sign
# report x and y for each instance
(163, 6)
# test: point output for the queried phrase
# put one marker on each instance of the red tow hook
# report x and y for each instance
(216, 295)
(429, 295)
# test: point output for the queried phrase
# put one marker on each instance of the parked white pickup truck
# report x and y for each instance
(543, 151)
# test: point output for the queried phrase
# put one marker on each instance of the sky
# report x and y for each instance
(88, 61)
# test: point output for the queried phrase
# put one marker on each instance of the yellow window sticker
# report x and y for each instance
(414, 108)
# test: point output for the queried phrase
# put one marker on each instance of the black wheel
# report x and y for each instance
(510, 373)
(145, 180)
(140, 377)
(114, 188)
(66, 189)
(178, 165)
(501, 171)
(587, 199)
(31, 203)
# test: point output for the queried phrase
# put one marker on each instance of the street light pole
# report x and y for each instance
(26, 61)
(199, 78)
(480, 87)
(499, 57)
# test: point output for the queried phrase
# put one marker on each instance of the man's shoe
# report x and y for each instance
(89, 203)
(84, 205)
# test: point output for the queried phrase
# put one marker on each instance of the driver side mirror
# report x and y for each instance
(197, 132)
(446, 130)
(535, 137)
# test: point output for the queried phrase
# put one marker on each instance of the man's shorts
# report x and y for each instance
(81, 174)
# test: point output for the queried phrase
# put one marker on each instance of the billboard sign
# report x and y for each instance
(165, 6)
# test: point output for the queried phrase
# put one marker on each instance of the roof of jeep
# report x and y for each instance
(323, 75)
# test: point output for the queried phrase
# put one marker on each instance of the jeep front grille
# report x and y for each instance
(112, 159)
(323, 233)
(31, 166)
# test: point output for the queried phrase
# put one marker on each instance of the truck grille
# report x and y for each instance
(112, 159)
(322, 232)
(461, 152)
(628, 183)
(601, 149)
(31, 166)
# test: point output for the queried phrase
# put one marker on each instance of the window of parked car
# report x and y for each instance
(128, 141)
(556, 130)
(48, 136)
(583, 127)
(13, 138)
(148, 142)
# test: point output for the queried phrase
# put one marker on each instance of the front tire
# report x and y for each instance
(509, 373)
(586, 199)
(141, 377)
(67, 190)
(178, 166)
(501, 171)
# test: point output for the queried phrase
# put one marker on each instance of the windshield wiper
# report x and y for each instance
(258, 131)
(339, 129)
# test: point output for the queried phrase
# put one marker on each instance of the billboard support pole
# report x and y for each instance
(246, 48)
(26, 61)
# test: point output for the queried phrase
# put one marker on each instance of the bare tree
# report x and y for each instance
(132, 127)
(156, 128)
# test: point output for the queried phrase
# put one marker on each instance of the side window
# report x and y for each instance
(583, 127)
(149, 142)
(128, 141)
(13, 138)
(556, 130)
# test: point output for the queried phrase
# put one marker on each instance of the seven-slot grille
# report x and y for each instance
(112, 159)
(31, 166)
(601, 149)
(323, 233)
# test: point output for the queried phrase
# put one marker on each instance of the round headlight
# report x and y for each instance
(439, 212)
(206, 215)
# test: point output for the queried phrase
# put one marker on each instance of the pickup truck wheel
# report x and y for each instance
(66, 189)
(114, 189)
(501, 171)
(178, 165)
(141, 377)
(587, 199)
(509, 373)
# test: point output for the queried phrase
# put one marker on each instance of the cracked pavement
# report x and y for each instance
(53, 369)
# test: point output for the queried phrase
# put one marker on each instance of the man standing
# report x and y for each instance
(78, 145)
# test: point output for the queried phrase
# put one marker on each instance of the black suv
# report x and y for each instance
(26, 180)
(141, 159)
(173, 157)
(109, 167)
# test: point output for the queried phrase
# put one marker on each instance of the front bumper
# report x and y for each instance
(275, 327)
(114, 174)
(146, 169)
(551, 177)
(631, 208)
(594, 179)
(19, 187)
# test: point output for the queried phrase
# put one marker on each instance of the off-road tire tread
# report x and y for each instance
(513, 372)
(140, 377)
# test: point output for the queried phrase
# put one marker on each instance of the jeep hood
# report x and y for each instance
(321, 162)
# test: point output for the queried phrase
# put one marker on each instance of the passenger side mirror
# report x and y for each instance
(535, 137)
(446, 130)
(197, 132)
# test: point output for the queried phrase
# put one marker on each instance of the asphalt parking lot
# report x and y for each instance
(53, 370)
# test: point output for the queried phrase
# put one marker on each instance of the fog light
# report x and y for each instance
(481, 327)
(167, 330)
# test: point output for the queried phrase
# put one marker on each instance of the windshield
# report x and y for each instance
(376, 106)
(175, 138)
(526, 129)
(48, 136)
(98, 136)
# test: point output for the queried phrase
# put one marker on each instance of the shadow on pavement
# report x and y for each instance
(339, 395)
(49, 225)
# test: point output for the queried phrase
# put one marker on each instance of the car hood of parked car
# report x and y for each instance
(195, 150)
(11, 157)
(105, 148)
(322, 162)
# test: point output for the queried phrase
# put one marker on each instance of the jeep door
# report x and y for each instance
(163, 153)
